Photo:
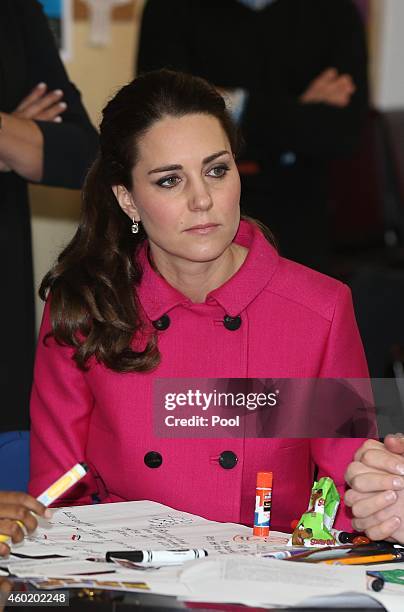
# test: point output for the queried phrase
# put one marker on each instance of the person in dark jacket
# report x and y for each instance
(295, 72)
(45, 137)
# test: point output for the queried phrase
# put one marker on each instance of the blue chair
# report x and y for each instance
(14, 460)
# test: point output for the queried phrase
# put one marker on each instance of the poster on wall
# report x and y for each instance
(59, 14)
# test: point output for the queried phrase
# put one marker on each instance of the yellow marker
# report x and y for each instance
(57, 489)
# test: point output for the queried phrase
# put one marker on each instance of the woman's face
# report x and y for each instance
(186, 189)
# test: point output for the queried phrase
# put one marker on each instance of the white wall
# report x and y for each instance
(388, 53)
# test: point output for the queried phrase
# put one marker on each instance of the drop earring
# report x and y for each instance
(135, 227)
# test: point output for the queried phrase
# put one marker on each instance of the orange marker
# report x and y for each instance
(366, 559)
(263, 497)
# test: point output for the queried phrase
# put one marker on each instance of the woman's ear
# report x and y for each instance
(125, 201)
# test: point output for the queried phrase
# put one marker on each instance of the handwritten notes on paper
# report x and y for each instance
(233, 572)
(91, 531)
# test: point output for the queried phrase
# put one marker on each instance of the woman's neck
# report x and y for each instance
(196, 280)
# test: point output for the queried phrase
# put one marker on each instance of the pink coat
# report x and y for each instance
(294, 323)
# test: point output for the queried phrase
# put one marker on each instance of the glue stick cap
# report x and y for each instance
(264, 480)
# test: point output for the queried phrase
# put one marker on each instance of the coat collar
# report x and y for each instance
(157, 297)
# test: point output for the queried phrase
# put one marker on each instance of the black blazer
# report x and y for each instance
(28, 55)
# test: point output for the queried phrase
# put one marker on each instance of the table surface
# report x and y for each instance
(115, 601)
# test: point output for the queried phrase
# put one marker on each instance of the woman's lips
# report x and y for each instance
(203, 229)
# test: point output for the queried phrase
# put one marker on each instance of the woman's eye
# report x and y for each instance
(168, 181)
(218, 171)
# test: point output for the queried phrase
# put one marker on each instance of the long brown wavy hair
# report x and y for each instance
(92, 287)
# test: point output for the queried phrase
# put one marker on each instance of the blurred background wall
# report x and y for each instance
(99, 71)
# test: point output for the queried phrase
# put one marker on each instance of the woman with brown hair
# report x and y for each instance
(163, 280)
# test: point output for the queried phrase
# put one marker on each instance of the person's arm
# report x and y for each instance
(61, 405)
(344, 357)
(376, 496)
(281, 121)
(21, 142)
(69, 147)
(21, 146)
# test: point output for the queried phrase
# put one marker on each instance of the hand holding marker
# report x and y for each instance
(56, 490)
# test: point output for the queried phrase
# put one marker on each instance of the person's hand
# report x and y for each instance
(376, 478)
(330, 88)
(42, 105)
(16, 515)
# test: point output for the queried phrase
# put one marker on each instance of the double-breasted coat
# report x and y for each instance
(294, 323)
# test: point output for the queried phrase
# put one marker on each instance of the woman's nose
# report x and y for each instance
(200, 198)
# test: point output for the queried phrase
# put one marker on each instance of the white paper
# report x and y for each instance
(267, 581)
(392, 602)
(346, 600)
(233, 572)
(57, 567)
(91, 531)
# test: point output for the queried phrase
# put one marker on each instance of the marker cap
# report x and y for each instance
(264, 480)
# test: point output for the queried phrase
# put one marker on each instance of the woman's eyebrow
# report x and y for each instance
(179, 167)
(210, 158)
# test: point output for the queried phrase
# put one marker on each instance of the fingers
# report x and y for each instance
(370, 482)
(356, 468)
(384, 461)
(52, 113)
(4, 167)
(4, 549)
(33, 96)
(366, 505)
(326, 77)
(16, 518)
(377, 480)
(330, 88)
(368, 445)
(375, 455)
(340, 91)
(16, 515)
(5, 585)
(395, 443)
(378, 531)
(13, 530)
(15, 498)
(45, 107)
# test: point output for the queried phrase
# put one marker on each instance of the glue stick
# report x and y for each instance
(263, 495)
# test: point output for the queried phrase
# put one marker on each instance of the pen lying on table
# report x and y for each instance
(367, 559)
(315, 555)
(157, 557)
